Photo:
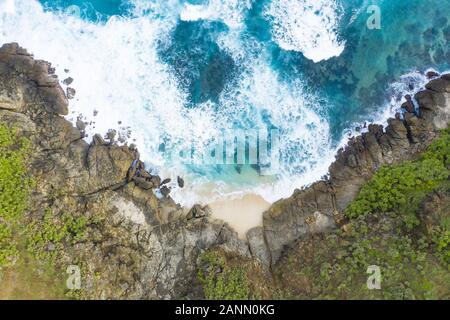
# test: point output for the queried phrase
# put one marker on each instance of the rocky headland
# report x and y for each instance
(140, 246)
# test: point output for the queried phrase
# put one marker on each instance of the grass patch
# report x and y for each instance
(15, 186)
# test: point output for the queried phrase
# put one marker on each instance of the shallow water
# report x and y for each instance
(175, 74)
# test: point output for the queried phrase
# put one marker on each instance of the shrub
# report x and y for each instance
(64, 228)
(8, 250)
(401, 188)
(14, 189)
(221, 282)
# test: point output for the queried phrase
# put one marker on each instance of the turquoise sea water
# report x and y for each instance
(185, 70)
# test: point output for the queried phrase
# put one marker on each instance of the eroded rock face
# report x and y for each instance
(143, 247)
(319, 207)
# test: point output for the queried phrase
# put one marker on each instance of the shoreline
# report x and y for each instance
(150, 244)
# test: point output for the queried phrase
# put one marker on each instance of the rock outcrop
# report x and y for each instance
(145, 247)
(320, 207)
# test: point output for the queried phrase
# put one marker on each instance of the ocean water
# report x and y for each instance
(178, 74)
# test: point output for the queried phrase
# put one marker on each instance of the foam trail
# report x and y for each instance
(115, 65)
(231, 12)
(307, 26)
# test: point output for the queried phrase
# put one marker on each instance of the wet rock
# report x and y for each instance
(432, 74)
(320, 207)
(80, 125)
(165, 191)
(165, 181)
(68, 81)
(111, 135)
(439, 85)
(180, 182)
(70, 93)
(144, 248)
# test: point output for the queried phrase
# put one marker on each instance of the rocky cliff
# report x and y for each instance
(144, 247)
(137, 245)
(320, 207)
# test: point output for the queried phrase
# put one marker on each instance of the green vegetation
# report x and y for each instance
(222, 282)
(401, 188)
(334, 266)
(56, 231)
(8, 250)
(15, 186)
(387, 228)
(29, 246)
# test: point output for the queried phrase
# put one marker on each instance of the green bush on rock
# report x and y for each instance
(402, 187)
(55, 230)
(222, 282)
(15, 186)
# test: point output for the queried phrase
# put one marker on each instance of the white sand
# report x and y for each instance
(241, 214)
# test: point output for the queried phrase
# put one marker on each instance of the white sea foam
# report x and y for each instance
(119, 74)
(7, 6)
(307, 26)
(231, 12)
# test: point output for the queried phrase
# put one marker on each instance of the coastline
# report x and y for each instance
(160, 245)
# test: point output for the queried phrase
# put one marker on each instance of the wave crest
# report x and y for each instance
(307, 26)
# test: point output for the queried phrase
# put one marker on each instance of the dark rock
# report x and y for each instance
(87, 180)
(156, 180)
(180, 182)
(313, 209)
(111, 135)
(143, 248)
(258, 246)
(165, 181)
(145, 174)
(97, 140)
(165, 191)
(68, 81)
(70, 93)
(80, 125)
(432, 74)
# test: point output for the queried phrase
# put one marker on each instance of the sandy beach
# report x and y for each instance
(242, 214)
